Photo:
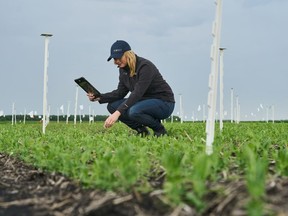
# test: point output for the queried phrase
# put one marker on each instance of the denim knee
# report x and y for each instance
(110, 108)
(133, 113)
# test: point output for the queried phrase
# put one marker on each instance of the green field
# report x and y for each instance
(253, 155)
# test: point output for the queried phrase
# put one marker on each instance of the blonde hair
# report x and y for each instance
(131, 61)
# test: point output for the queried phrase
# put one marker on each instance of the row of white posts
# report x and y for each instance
(32, 113)
(213, 78)
(216, 53)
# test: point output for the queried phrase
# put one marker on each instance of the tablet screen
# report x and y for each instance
(87, 87)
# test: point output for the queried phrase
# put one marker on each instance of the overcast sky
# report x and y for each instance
(175, 35)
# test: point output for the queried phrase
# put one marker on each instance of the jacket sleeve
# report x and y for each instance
(146, 75)
(114, 95)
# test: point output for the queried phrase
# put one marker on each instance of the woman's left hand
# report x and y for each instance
(112, 119)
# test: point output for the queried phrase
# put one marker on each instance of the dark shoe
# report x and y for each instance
(160, 132)
(143, 131)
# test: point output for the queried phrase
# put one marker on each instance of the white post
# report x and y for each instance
(24, 119)
(239, 113)
(80, 113)
(76, 104)
(48, 115)
(204, 113)
(237, 109)
(89, 115)
(221, 88)
(46, 55)
(68, 114)
(15, 115)
(57, 115)
(193, 116)
(273, 113)
(181, 108)
(2, 113)
(213, 78)
(232, 103)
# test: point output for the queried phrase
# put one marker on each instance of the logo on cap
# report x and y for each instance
(118, 48)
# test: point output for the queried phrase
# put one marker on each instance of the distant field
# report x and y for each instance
(249, 163)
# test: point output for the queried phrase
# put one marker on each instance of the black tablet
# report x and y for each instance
(87, 87)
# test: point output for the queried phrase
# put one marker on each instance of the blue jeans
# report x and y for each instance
(147, 112)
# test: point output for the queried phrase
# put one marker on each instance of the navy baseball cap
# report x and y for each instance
(118, 49)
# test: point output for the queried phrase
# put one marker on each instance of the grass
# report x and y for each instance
(117, 160)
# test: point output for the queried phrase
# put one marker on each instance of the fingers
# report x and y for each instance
(112, 119)
(92, 97)
(108, 123)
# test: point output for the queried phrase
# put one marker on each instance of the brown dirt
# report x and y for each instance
(26, 190)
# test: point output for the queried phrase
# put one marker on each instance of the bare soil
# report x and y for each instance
(28, 191)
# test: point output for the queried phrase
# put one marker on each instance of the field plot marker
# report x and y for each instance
(68, 112)
(213, 78)
(221, 88)
(13, 114)
(76, 106)
(232, 103)
(181, 108)
(46, 56)
(273, 113)
(24, 117)
(237, 110)
(204, 113)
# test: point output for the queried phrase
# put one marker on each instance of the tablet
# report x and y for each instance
(87, 87)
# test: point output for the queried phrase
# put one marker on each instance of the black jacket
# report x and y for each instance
(146, 84)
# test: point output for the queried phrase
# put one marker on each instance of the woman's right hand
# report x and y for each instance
(92, 97)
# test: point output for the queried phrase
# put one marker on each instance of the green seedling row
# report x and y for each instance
(118, 160)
